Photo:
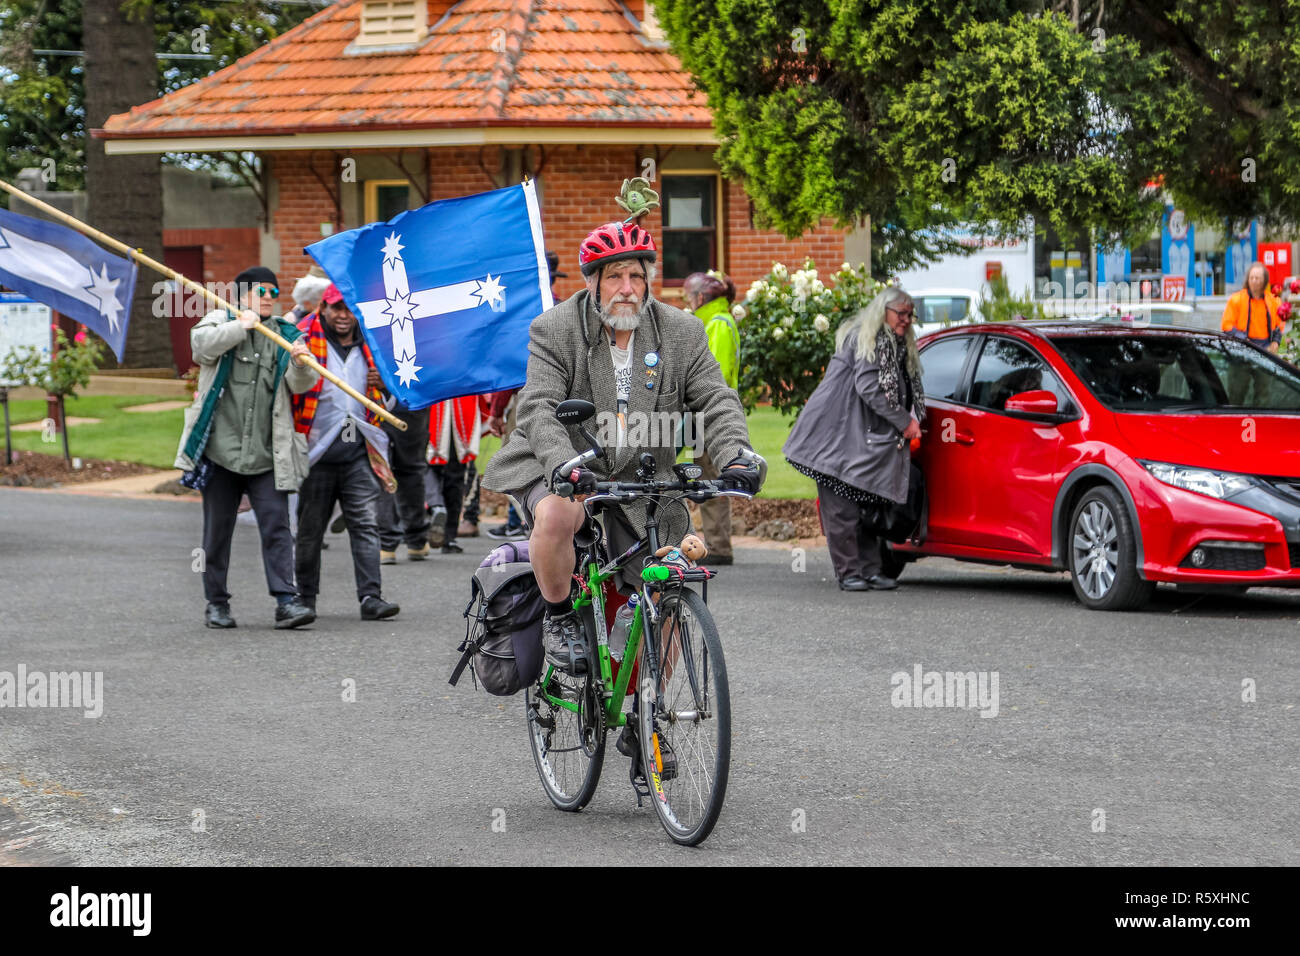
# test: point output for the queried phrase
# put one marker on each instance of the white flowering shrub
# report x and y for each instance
(788, 335)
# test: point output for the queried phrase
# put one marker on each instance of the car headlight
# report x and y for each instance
(1216, 484)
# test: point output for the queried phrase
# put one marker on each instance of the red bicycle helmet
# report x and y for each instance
(613, 242)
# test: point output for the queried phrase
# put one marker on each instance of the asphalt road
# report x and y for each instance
(1139, 716)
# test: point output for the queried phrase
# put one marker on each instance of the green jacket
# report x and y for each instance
(212, 342)
(724, 337)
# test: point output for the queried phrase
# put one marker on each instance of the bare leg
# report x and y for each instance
(556, 521)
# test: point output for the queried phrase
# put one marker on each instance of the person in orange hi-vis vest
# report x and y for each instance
(1255, 314)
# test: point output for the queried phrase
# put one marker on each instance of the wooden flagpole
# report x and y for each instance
(219, 302)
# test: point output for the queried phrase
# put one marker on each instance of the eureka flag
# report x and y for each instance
(61, 268)
(445, 293)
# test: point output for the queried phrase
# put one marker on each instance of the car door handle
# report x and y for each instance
(964, 438)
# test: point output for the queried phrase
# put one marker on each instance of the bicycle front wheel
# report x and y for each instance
(568, 745)
(684, 723)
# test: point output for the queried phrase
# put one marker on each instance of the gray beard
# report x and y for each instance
(626, 323)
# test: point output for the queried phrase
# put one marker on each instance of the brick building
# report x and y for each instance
(370, 108)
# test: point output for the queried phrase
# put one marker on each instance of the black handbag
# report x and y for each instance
(894, 521)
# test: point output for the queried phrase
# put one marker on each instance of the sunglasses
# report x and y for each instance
(271, 291)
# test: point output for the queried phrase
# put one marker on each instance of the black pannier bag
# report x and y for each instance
(503, 623)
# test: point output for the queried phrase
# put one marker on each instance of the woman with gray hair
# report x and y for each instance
(852, 437)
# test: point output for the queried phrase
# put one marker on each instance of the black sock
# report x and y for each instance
(558, 608)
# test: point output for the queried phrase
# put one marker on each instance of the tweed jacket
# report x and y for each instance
(568, 357)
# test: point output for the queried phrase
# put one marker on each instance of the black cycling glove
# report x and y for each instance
(579, 481)
(744, 478)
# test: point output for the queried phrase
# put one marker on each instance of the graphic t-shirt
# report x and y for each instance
(622, 359)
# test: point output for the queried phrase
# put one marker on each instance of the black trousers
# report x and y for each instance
(854, 550)
(473, 485)
(271, 508)
(451, 478)
(401, 514)
(354, 486)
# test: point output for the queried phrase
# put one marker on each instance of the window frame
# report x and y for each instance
(719, 223)
(370, 206)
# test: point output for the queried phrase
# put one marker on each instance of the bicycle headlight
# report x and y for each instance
(1215, 484)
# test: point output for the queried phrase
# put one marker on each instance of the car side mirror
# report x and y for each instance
(1037, 402)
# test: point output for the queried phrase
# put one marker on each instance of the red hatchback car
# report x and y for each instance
(1123, 455)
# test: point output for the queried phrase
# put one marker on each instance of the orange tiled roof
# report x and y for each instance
(564, 62)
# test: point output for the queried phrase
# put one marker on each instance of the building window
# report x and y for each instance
(691, 235)
(392, 23)
(385, 198)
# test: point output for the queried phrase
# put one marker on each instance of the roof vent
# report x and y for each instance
(391, 23)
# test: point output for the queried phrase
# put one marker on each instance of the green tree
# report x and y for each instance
(42, 96)
(910, 111)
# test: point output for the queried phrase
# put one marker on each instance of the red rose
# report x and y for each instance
(1277, 289)
(1284, 311)
(1295, 286)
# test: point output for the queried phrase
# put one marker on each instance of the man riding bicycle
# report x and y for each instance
(643, 364)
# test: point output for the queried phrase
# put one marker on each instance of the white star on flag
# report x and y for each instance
(393, 248)
(105, 289)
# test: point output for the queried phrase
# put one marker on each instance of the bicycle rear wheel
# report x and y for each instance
(688, 722)
(568, 747)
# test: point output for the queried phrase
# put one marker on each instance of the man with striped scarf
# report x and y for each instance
(348, 454)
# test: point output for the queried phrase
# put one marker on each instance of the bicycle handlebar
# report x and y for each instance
(627, 490)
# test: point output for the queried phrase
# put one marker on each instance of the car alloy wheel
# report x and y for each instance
(1096, 549)
(1104, 554)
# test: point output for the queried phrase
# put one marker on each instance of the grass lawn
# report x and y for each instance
(768, 430)
(146, 437)
(151, 437)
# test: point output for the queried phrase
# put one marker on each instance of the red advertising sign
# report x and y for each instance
(1174, 289)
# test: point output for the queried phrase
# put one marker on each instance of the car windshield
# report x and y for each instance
(1180, 373)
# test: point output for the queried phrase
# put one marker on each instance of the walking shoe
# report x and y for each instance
(438, 526)
(854, 583)
(626, 743)
(387, 557)
(565, 645)
(467, 529)
(218, 615)
(377, 609)
(293, 614)
(504, 532)
(417, 552)
(451, 547)
(338, 524)
(878, 582)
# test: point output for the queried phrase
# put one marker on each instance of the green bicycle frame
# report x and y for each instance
(614, 696)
